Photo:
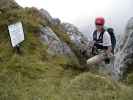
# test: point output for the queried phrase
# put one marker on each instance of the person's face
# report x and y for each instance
(99, 27)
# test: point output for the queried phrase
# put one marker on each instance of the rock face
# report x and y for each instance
(124, 53)
(53, 21)
(55, 45)
(80, 41)
(56, 21)
(75, 35)
(46, 14)
(78, 38)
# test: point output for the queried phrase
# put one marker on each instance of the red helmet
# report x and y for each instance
(99, 21)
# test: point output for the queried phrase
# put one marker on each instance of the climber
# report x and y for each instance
(103, 43)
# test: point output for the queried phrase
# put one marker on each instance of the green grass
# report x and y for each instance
(36, 75)
(33, 74)
(88, 86)
(25, 78)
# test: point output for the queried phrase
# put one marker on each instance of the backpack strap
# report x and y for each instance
(100, 38)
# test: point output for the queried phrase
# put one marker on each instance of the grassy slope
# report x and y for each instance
(36, 75)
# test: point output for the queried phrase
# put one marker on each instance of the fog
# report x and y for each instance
(82, 13)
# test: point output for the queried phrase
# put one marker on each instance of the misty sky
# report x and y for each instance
(82, 13)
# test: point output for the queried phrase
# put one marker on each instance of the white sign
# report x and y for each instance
(16, 33)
